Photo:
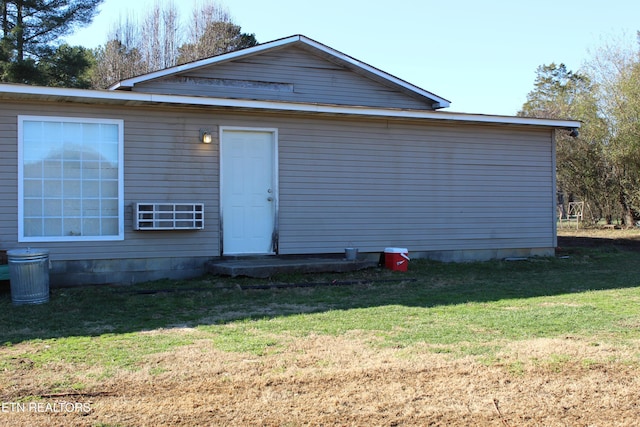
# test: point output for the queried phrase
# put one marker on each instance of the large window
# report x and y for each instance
(70, 179)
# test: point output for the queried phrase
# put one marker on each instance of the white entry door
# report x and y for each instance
(248, 190)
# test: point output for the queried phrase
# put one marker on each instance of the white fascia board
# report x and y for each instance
(128, 83)
(119, 97)
(362, 111)
(442, 103)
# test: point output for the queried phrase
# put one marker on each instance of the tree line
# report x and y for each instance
(601, 166)
(30, 51)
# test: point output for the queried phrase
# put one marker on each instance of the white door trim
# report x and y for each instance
(275, 187)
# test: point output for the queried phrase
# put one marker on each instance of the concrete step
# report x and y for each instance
(263, 267)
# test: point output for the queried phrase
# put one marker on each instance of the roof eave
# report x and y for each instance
(11, 91)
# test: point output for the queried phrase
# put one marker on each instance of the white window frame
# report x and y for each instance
(21, 210)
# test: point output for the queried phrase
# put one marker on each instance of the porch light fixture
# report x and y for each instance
(205, 136)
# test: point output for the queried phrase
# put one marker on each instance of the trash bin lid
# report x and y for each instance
(27, 253)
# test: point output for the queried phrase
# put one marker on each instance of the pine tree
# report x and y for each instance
(29, 30)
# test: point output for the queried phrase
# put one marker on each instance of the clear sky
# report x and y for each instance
(479, 54)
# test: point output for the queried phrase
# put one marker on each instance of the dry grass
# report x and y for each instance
(321, 380)
(600, 232)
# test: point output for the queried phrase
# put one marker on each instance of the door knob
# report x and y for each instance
(269, 199)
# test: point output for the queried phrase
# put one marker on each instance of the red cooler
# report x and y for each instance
(396, 259)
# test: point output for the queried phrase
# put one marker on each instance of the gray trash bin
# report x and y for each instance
(29, 275)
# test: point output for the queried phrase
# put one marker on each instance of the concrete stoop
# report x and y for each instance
(263, 267)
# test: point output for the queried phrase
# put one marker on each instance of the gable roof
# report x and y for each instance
(303, 42)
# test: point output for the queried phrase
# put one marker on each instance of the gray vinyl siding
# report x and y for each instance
(426, 187)
(8, 180)
(164, 162)
(368, 183)
(311, 78)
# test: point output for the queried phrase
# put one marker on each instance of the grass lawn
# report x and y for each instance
(546, 341)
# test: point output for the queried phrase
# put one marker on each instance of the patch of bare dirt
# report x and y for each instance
(343, 381)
